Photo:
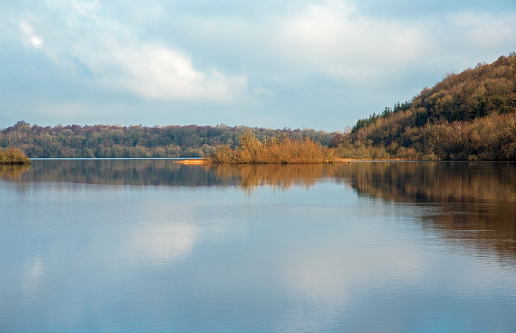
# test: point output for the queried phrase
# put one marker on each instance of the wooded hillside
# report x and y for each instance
(466, 116)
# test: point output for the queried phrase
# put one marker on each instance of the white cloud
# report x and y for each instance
(333, 38)
(482, 30)
(29, 37)
(117, 58)
(155, 71)
(286, 43)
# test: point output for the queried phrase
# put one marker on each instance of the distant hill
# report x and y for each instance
(466, 116)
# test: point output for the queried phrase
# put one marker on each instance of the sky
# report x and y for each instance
(274, 64)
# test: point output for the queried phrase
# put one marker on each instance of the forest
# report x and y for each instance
(466, 116)
(114, 141)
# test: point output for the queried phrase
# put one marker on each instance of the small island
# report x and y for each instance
(13, 156)
(273, 151)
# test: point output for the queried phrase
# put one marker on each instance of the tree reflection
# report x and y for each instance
(169, 173)
(473, 204)
(137, 172)
(13, 172)
(280, 176)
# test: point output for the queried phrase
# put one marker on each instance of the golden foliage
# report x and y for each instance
(466, 116)
(273, 151)
(13, 156)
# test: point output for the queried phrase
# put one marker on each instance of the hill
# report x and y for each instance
(466, 116)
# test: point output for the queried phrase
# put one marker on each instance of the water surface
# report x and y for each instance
(156, 246)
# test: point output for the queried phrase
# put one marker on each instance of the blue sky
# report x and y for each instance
(292, 63)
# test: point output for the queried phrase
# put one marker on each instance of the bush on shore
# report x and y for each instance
(13, 156)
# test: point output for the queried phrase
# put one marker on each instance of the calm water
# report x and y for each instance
(155, 246)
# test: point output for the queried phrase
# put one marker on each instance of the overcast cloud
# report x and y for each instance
(315, 64)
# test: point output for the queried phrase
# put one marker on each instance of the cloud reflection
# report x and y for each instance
(162, 244)
(32, 277)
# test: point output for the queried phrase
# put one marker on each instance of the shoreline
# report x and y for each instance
(203, 161)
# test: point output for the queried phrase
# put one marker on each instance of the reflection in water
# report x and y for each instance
(13, 172)
(474, 203)
(359, 247)
(119, 172)
(281, 176)
(169, 173)
(433, 181)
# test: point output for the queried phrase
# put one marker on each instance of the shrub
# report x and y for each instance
(13, 156)
(273, 151)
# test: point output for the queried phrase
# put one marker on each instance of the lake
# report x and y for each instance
(157, 246)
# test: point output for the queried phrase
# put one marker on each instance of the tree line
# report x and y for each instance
(114, 141)
(466, 116)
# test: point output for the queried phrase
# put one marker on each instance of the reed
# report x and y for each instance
(273, 151)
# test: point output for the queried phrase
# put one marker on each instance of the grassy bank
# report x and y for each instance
(273, 151)
(13, 156)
